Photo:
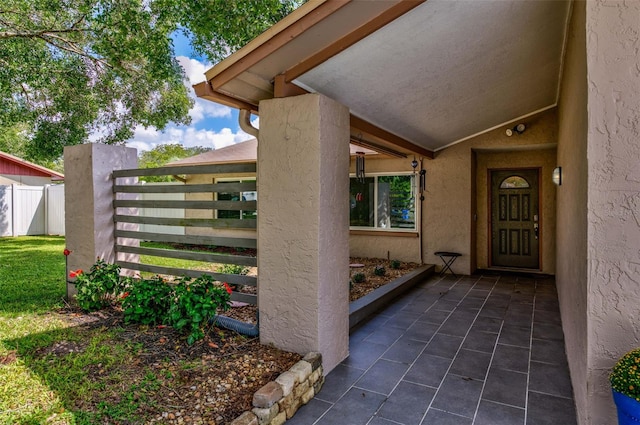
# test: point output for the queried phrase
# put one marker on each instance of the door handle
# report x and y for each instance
(536, 228)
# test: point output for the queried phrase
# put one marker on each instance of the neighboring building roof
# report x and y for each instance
(246, 151)
(12, 165)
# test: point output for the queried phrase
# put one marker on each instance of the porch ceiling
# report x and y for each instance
(437, 73)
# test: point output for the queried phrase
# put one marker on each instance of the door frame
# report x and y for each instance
(490, 217)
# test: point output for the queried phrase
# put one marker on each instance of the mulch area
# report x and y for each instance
(358, 290)
(209, 382)
(373, 281)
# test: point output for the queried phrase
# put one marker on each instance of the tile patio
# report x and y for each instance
(477, 350)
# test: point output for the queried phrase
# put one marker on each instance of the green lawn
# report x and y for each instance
(39, 388)
(53, 370)
(32, 275)
(170, 262)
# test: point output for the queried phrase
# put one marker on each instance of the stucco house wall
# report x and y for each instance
(457, 184)
(448, 210)
(403, 246)
(571, 218)
(542, 157)
(613, 194)
(192, 213)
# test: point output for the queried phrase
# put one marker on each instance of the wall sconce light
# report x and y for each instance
(557, 176)
(516, 129)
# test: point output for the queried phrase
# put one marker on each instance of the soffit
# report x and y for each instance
(255, 83)
(442, 72)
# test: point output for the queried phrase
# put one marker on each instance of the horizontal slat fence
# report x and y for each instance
(132, 200)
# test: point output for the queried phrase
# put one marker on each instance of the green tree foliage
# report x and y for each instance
(13, 139)
(73, 68)
(163, 154)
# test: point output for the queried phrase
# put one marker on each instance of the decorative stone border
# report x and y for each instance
(279, 400)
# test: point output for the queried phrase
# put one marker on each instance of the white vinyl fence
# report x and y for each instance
(162, 212)
(39, 210)
(31, 210)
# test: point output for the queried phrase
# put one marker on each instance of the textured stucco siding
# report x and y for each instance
(89, 199)
(448, 217)
(202, 196)
(545, 161)
(571, 273)
(382, 244)
(303, 162)
(613, 150)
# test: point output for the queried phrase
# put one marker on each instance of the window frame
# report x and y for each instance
(417, 205)
(238, 179)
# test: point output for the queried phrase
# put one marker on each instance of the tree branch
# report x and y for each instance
(26, 93)
(71, 47)
(40, 33)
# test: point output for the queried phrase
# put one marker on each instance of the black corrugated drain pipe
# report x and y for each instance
(242, 328)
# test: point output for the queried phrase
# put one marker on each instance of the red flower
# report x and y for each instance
(66, 252)
(75, 273)
(227, 287)
(124, 295)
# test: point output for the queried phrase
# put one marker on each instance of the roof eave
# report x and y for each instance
(231, 82)
(45, 171)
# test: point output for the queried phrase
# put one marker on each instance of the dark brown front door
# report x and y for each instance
(515, 219)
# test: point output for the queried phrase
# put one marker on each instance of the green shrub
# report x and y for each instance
(379, 271)
(358, 277)
(232, 269)
(395, 264)
(187, 305)
(147, 301)
(98, 288)
(195, 302)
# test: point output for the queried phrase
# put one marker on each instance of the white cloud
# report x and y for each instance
(148, 138)
(202, 109)
(193, 69)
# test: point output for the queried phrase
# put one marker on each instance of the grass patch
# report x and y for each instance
(170, 262)
(60, 367)
(52, 370)
(32, 274)
(185, 264)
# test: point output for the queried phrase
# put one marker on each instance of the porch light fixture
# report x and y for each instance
(516, 129)
(557, 176)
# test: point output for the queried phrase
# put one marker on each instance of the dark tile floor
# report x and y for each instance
(481, 350)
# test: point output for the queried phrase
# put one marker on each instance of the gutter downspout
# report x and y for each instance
(244, 119)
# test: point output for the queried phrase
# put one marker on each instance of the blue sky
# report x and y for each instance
(212, 125)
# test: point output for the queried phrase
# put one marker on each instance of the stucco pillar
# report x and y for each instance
(613, 150)
(89, 201)
(303, 226)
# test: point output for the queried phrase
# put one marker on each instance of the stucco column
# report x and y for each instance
(89, 201)
(613, 149)
(303, 226)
